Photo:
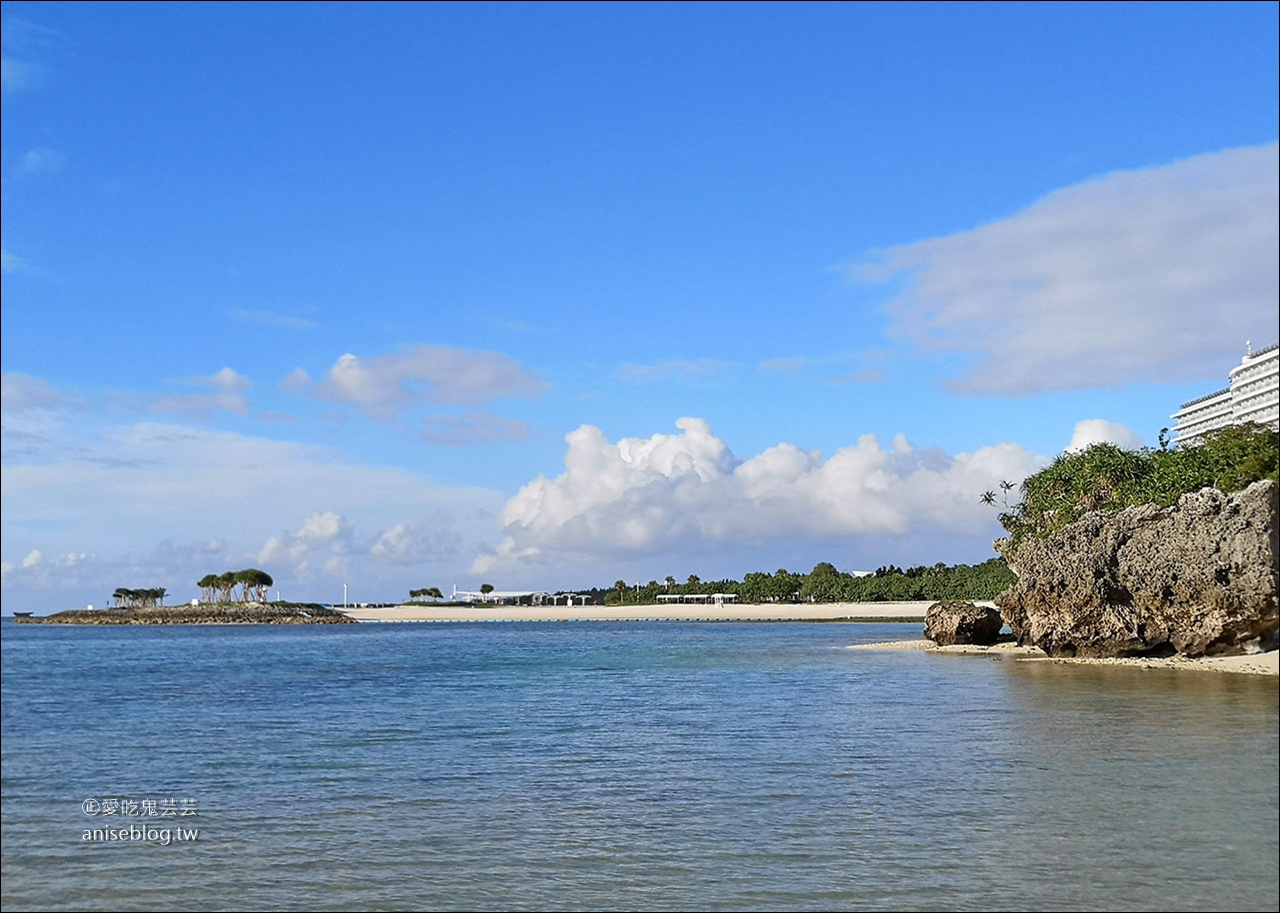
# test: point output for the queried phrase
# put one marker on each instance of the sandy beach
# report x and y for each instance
(1249, 663)
(835, 611)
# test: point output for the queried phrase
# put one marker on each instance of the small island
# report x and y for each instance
(218, 613)
(221, 605)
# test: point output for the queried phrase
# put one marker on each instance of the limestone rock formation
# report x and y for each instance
(952, 622)
(1198, 578)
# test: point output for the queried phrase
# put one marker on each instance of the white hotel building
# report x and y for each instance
(1254, 396)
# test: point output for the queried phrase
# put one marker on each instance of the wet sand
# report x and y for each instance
(1249, 663)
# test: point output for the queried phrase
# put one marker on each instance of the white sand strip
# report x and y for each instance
(834, 611)
(1249, 663)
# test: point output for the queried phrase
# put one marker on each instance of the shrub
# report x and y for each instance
(1106, 478)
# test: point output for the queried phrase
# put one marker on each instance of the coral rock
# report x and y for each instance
(948, 623)
(1198, 578)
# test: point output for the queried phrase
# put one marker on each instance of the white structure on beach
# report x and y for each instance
(702, 598)
(520, 597)
(1254, 396)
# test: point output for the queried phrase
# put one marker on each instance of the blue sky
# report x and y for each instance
(410, 295)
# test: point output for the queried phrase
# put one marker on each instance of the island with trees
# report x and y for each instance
(230, 598)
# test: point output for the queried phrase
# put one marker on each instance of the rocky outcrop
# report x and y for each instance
(1198, 578)
(951, 622)
(217, 614)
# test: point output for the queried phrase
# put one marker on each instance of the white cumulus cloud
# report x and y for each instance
(322, 537)
(1100, 431)
(644, 496)
(321, 526)
(433, 539)
(1152, 275)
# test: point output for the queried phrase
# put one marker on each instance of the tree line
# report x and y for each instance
(827, 584)
(253, 585)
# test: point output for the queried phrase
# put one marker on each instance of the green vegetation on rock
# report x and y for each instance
(1107, 478)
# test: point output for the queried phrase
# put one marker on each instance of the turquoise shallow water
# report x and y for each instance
(635, 766)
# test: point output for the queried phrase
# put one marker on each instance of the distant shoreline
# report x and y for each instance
(833, 611)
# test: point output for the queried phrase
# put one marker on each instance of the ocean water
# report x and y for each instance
(621, 766)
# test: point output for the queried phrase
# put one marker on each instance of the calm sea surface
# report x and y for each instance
(622, 766)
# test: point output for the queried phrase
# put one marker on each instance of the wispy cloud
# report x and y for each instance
(19, 392)
(271, 319)
(512, 325)
(228, 385)
(37, 161)
(225, 380)
(297, 379)
(199, 405)
(10, 262)
(22, 41)
(1153, 275)
(383, 386)
(184, 501)
(471, 428)
(686, 372)
(832, 369)
(14, 74)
